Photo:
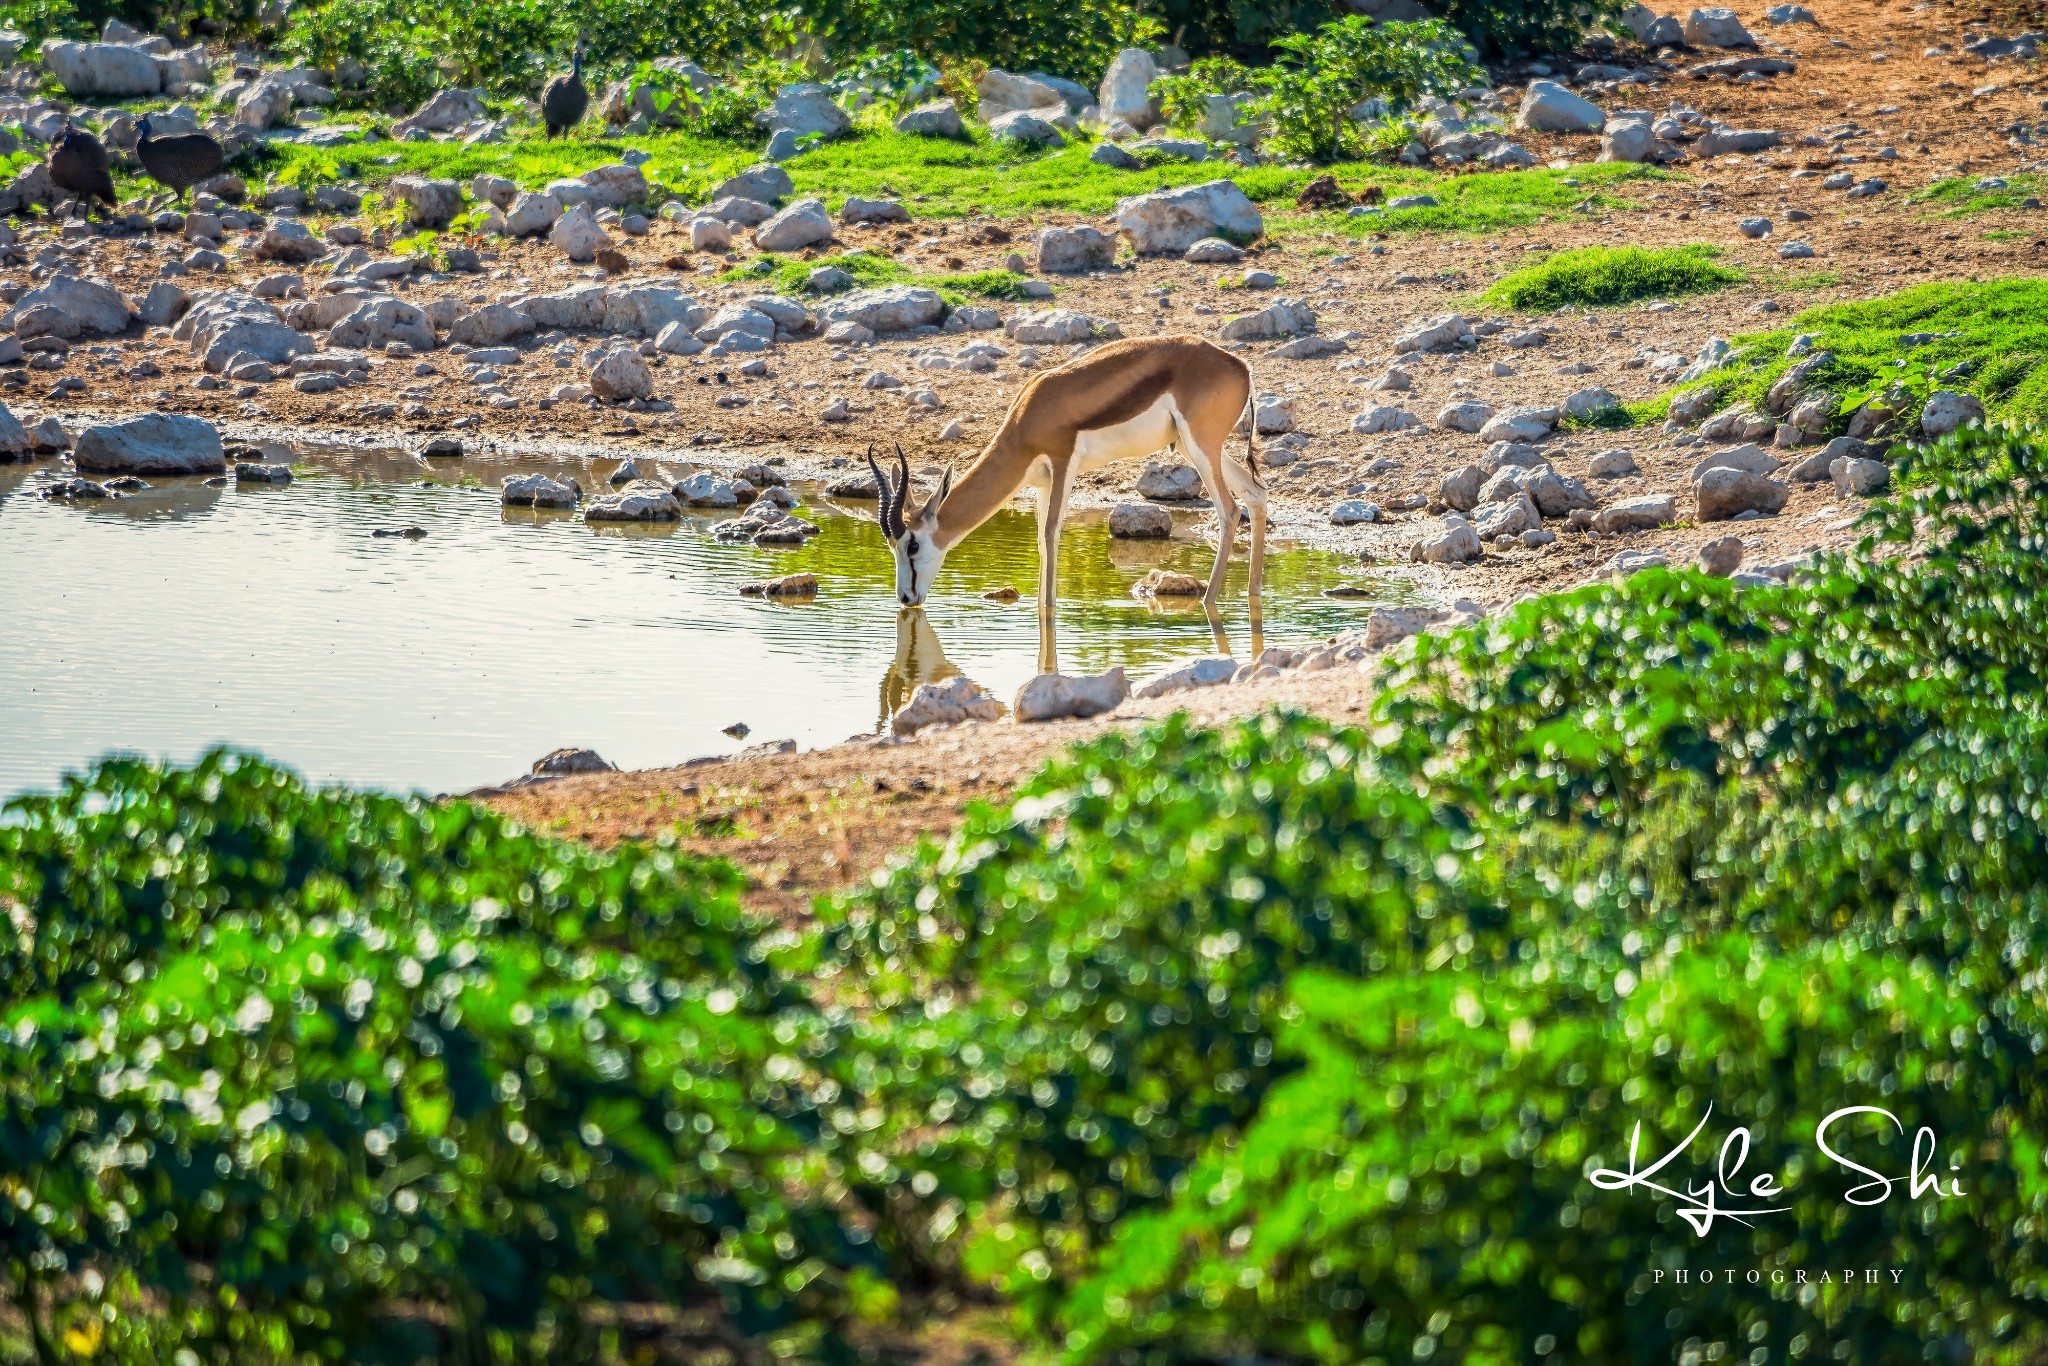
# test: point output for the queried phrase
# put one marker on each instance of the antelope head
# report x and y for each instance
(912, 537)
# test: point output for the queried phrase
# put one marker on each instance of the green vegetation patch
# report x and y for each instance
(1298, 1040)
(1961, 196)
(1599, 277)
(945, 179)
(870, 269)
(1984, 338)
(377, 1052)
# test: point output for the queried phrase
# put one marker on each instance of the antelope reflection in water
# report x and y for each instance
(921, 657)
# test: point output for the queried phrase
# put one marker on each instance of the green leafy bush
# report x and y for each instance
(1168, 1029)
(281, 1066)
(1073, 38)
(40, 19)
(1421, 1188)
(1107, 1002)
(1602, 277)
(725, 111)
(895, 80)
(1250, 30)
(1510, 27)
(411, 48)
(1308, 95)
(1354, 59)
(1184, 98)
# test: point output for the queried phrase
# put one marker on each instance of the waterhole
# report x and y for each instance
(185, 616)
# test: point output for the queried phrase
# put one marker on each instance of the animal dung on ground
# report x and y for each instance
(788, 586)
(613, 262)
(1165, 583)
(1322, 193)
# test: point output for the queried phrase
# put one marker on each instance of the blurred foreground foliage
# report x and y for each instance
(1284, 1039)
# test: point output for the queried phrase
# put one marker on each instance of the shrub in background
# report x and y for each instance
(1307, 97)
(1506, 28)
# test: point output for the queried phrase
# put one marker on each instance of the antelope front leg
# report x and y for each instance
(1226, 532)
(1258, 576)
(1052, 507)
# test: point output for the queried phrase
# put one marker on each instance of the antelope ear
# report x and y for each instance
(931, 504)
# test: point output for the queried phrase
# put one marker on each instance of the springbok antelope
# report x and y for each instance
(1122, 400)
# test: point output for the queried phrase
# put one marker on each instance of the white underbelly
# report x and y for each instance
(1146, 434)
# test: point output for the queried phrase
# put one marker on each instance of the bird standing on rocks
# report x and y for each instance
(78, 166)
(564, 99)
(180, 161)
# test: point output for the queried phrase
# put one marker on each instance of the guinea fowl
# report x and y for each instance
(180, 161)
(78, 166)
(564, 99)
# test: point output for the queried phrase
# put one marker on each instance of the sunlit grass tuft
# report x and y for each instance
(1601, 277)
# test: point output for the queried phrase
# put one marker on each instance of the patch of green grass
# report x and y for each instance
(946, 179)
(1989, 339)
(1959, 196)
(2006, 235)
(1605, 276)
(1480, 203)
(1621, 416)
(870, 269)
(1808, 280)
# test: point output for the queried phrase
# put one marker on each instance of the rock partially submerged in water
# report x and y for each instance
(77, 489)
(155, 443)
(1165, 583)
(788, 586)
(255, 472)
(644, 501)
(15, 442)
(945, 703)
(1140, 522)
(537, 491)
(707, 490)
(564, 763)
(1054, 697)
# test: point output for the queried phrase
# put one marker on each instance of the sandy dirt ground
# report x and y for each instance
(1879, 90)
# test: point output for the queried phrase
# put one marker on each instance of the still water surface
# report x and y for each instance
(185, 617)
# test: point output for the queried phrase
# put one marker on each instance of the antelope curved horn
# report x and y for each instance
(888, 514)
(902, 484)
